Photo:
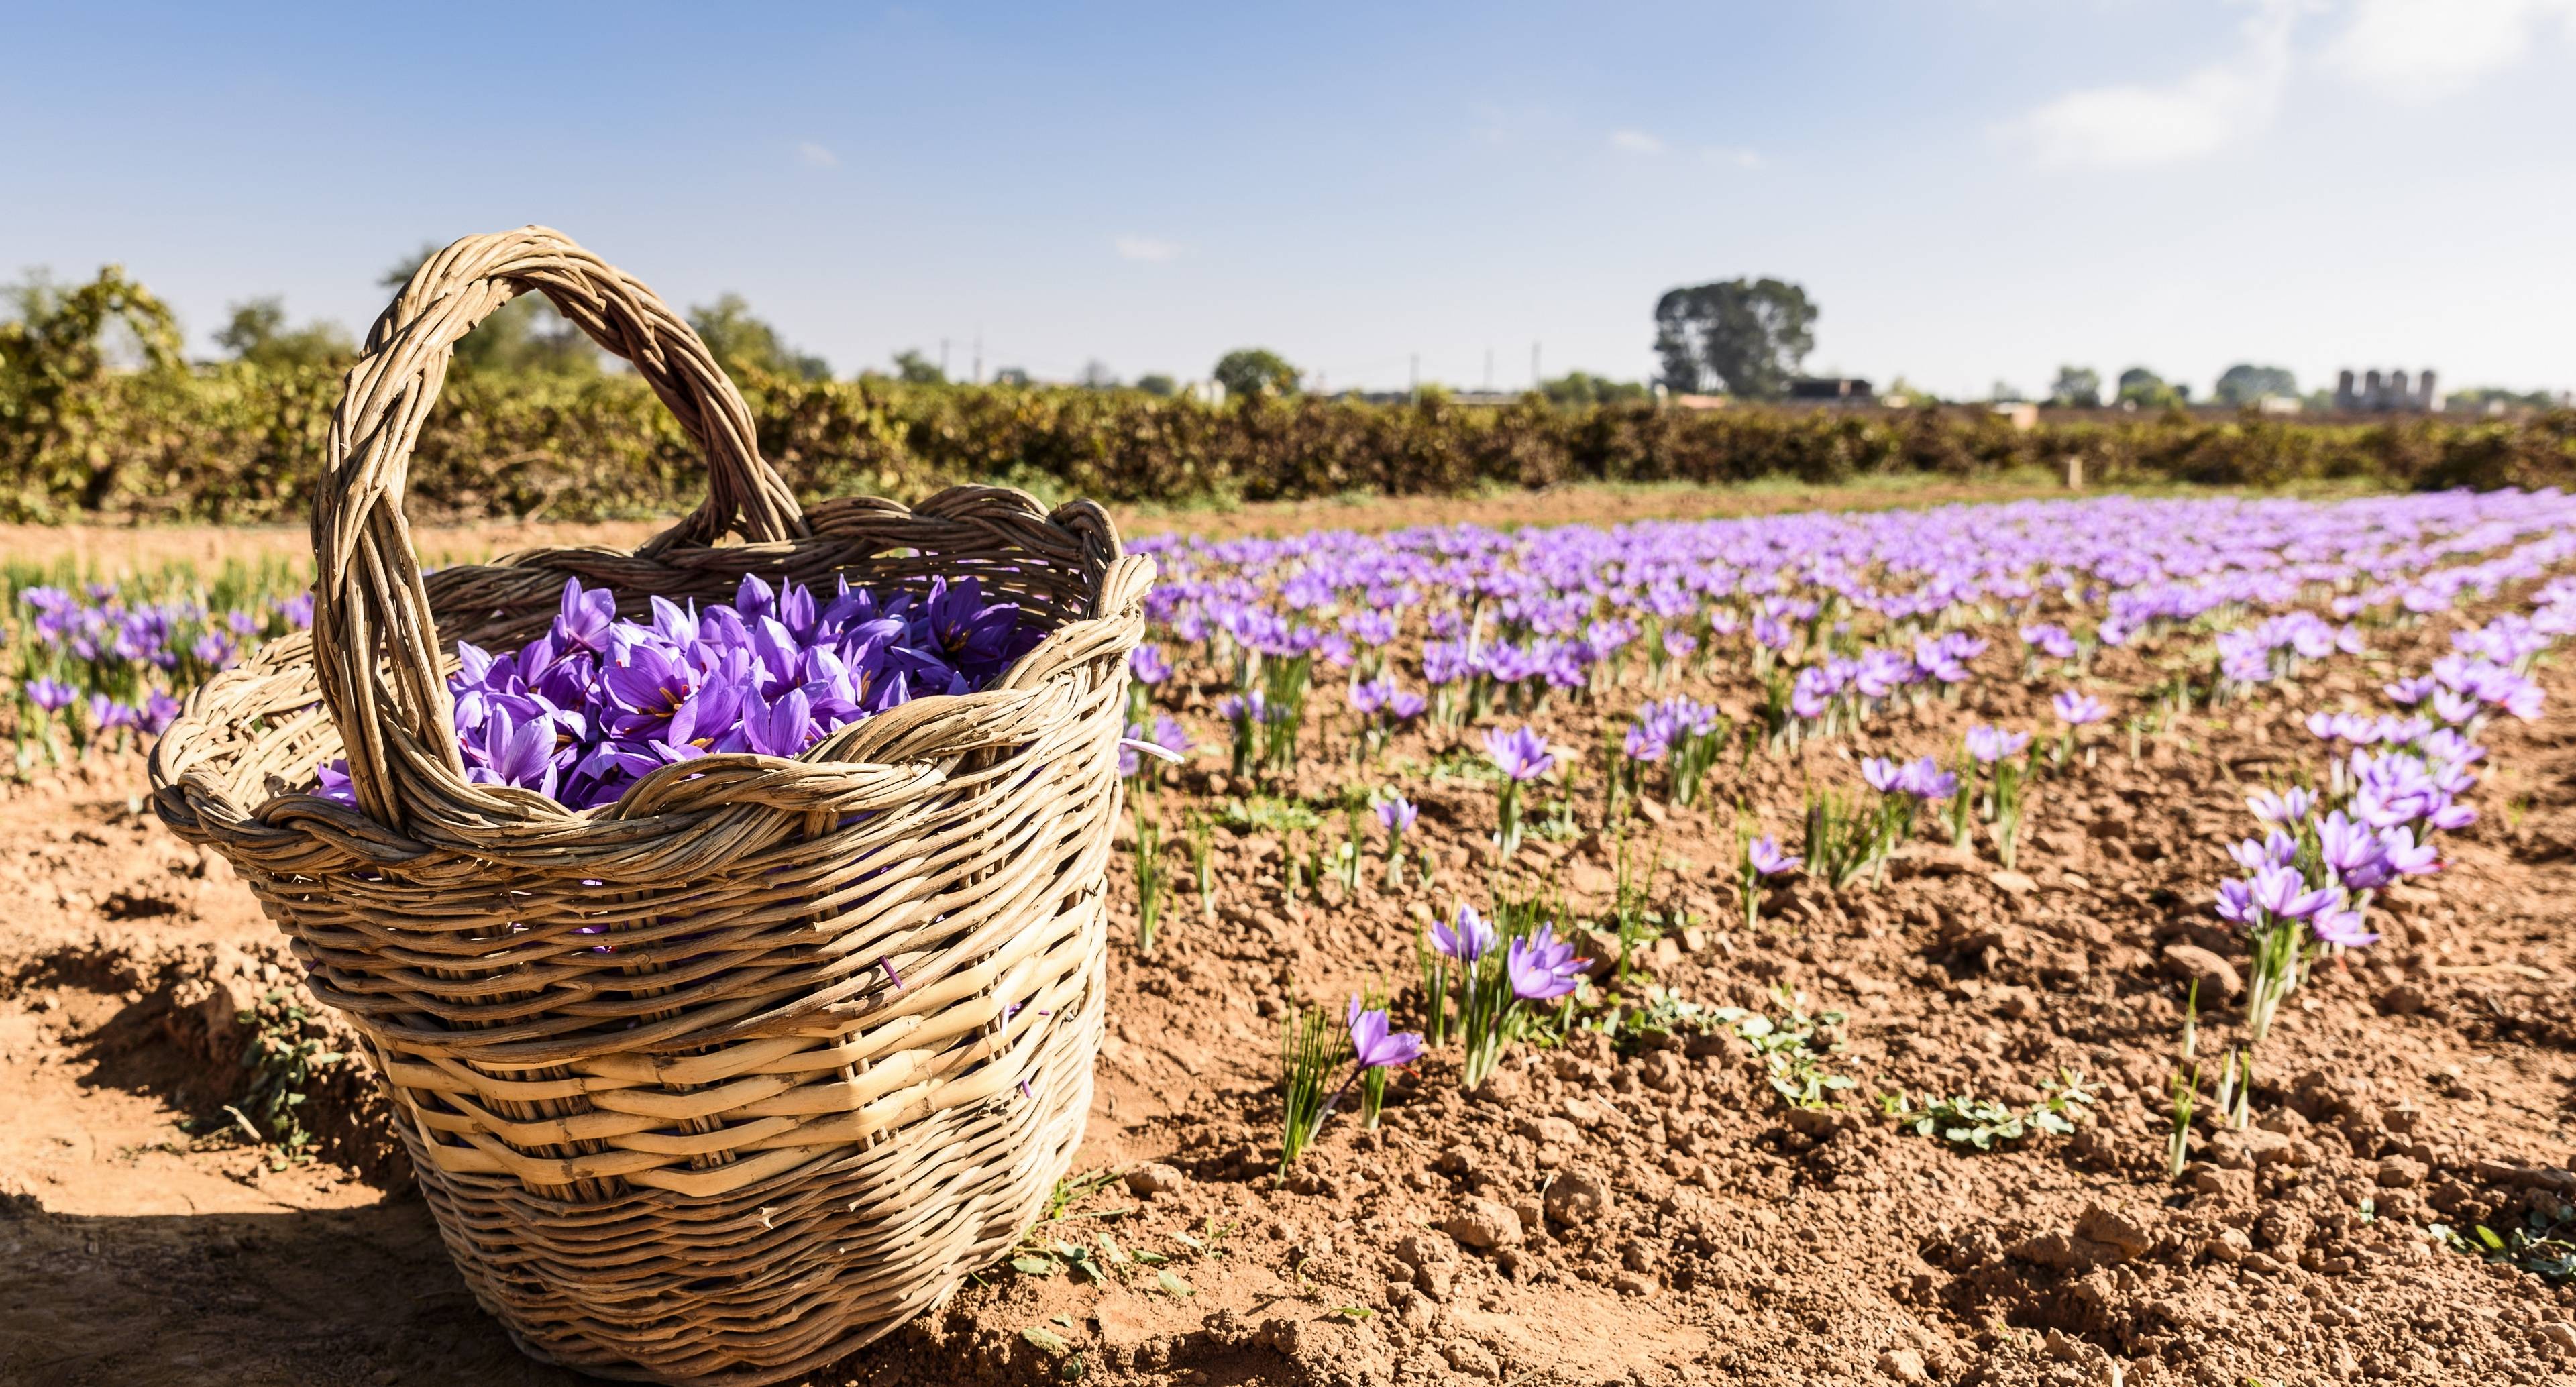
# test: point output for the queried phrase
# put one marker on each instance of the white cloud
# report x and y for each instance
(1635, 142)
(815, 156)
(2421, 49)
(1146, 248)
(1734, 156)
(2134, 124)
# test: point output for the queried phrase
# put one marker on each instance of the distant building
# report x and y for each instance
(2386, 394)
(1831, 390)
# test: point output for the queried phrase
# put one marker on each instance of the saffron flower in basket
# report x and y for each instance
(596, 703)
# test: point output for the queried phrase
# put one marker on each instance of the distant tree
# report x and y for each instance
(1246, 372)
(2077, 387)
(259, 335)
(2496, 399)
(1096, 375)
(1156, 383)
(1744, 336)
(1584, 388)
(912, 368)
(2005, 393)
(525, 336)
(55, 343)
(1011, 375)
(1904, 393)
(744, 344)
(2244, 384)
(2147, 390)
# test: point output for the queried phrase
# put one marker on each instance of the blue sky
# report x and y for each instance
(1972, 190)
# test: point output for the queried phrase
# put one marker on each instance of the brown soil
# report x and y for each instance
(1658, 1215)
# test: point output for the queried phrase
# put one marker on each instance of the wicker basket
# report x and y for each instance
(840, 1048)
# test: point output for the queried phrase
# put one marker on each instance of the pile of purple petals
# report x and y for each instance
(598, 702)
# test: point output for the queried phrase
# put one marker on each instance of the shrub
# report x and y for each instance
(239, 442)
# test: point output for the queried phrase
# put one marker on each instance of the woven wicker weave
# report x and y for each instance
(838, 1047)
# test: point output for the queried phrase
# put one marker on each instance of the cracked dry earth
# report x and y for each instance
(1647, 1212)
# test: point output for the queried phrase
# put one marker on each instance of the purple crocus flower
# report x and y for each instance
(1541, 967)
(585, 617)
(517, 753)
(781, 728)
(2352, 851)
(52, 695)
(1373, 1045)
(1521, 754)
(2284, 894)
(968, 630)
(2275, 849)
(1989, 744)
(1766, 858)
(1925, 780)
(2076, 709)
(1397, 814)
(1147, 665)
(2404, 855)
(2287, 807)
(2050, 640)
(1471, 938)
(2343, 927)
(157, 711)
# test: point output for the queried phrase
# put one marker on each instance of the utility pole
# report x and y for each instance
(1534, 376)
(943, 358)
(1489, 370)
(979, 356)
(1414, 389)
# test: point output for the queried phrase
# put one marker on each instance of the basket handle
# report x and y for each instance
(371, 615)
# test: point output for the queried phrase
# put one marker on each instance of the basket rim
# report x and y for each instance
(1116, 598)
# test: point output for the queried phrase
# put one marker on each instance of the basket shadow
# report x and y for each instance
(362, 1295)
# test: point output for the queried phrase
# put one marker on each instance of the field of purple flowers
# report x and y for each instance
(1517, 918)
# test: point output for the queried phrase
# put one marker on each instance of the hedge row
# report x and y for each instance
(240, 444)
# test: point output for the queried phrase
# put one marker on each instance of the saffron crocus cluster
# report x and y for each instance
(1376, 1050)
(1396, 815)
(1903, 789)
(1490, 978)
(1383, 706)
(1312, 1049)
(105, 663)
(1522, 756)
(2313, 878)
(1995, 755)
(583, 712)
(2075, 711)
(1763, 860)
(1684, 734)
